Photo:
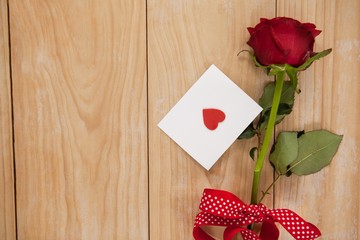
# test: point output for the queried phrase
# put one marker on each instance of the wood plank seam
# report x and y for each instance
(147, 115)
(12, 119)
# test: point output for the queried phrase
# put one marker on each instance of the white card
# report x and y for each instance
(210, 117)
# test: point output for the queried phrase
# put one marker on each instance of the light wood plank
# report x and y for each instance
(80, 118)
(7, 202)
(185, 38)
(329, 99)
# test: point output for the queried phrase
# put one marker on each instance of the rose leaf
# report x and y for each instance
(287, 95)
(316, 150)
(248, 133)
(285, 106)
(285, 151)
(252, 152)
(265, 119)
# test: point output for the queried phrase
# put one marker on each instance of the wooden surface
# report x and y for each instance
(330, 98)
(185, 38)
(79, 76)
(7, 197)
(92, 79)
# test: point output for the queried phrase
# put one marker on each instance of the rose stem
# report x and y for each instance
(268, 189)
(268, 134)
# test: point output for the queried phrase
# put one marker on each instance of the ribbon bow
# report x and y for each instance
(222, 208)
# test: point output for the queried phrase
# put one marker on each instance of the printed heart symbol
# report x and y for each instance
(212, 117)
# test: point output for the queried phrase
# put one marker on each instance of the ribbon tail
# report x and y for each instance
(246, 234)
(199, 234)
(269, 231)
(295, 225)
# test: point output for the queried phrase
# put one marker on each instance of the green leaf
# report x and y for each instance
(248, 133)
(287, 95)
(316, 150)
(267, 96)
(314, 58)
(252, 152)
(285, 151)
(284, 109)
(285, 106)
(265, 119)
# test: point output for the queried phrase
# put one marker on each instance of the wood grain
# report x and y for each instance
(80, 118)
(7, 199)
(329, 99)
(80, 89)
(184, 39)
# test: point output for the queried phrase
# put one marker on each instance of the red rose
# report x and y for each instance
(282, 40)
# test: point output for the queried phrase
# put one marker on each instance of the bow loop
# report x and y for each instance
(222, 203)
(222, 208)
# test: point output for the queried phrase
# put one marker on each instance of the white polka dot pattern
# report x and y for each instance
(222, 208)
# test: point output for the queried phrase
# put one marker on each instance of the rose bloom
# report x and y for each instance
(282, 40)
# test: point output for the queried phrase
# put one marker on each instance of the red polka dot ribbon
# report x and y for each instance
(222, 208)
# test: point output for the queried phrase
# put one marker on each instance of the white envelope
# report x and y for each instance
(228, 111)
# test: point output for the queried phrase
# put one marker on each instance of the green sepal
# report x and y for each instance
(291, 71)
(275, 69)
(253, 58)
(314, 58)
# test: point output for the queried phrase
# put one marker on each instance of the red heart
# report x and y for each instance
(212, 117)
